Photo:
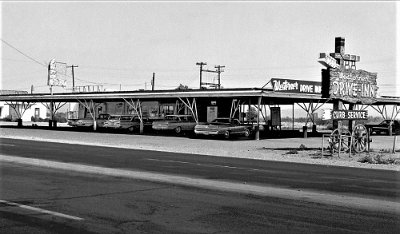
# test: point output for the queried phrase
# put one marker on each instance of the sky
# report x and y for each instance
(120, 44)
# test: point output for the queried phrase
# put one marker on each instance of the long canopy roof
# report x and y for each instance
(240, 93)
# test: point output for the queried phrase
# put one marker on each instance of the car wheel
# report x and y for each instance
(131, 129)
(227, 134)
(178, 130)
(247, 133)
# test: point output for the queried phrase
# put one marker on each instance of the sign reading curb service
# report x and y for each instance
(353, 85)
(296, 86)
(349, 114)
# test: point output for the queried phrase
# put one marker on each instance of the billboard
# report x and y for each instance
(296, 86)
(352, 85)
(55, 71)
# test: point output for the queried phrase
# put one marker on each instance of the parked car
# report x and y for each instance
(72, 122)
(178, 123)
(129, 122)
(223, 126)
(88, 122)
(101, 119)
(383, 127)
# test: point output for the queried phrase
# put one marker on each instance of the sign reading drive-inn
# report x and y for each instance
(342, 82)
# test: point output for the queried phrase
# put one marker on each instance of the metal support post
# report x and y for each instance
(257, 135)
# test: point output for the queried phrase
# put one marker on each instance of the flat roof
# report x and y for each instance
(269, 96)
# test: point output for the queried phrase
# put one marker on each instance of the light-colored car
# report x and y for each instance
(223, 126)
(178, 123)
(88, 122)
(129, 122)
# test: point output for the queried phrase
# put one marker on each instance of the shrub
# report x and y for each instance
(379, 159)
(302, 147)
(366, 159)
(293, 151)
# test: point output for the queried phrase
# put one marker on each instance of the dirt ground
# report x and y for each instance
(299, 150)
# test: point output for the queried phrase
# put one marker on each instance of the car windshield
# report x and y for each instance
(114, 117)
(101, 116)
(224, 121)
(170, 117)
(126, 117)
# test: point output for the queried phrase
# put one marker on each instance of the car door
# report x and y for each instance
(236, 128)
(187, 123)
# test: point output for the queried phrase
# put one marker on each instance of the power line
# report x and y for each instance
(23, 53)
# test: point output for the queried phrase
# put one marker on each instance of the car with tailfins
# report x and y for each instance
(129, 122)
(224, 127)
(88, 122)
(177, 123)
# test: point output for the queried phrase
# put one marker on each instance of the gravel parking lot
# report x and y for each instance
(301, 150)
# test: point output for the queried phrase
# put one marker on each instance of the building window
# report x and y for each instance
(37, 113)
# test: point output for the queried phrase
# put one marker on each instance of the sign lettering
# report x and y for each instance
(349, 115)
(353, 85)
(296, 86)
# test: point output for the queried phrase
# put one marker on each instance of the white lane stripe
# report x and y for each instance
(39, 210)
(329, 198)
(205, 165)
(6, 144)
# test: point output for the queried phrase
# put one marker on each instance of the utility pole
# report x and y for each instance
(152, 82)
(219, 70)
(201, 64)
(73, 76)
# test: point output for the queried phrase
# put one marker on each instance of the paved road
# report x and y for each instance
(369, 183)
(72, 202)
(86, 203)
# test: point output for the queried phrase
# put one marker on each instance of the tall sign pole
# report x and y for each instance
(153, 81)
(55, 71)
(73, 76)
(201, 64)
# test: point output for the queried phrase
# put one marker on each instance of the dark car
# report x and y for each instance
(178, 123)
(223, 126)
(383, 127)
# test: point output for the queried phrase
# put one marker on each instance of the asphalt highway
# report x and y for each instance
(382, 184)
(42, 200)
(72, 202)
